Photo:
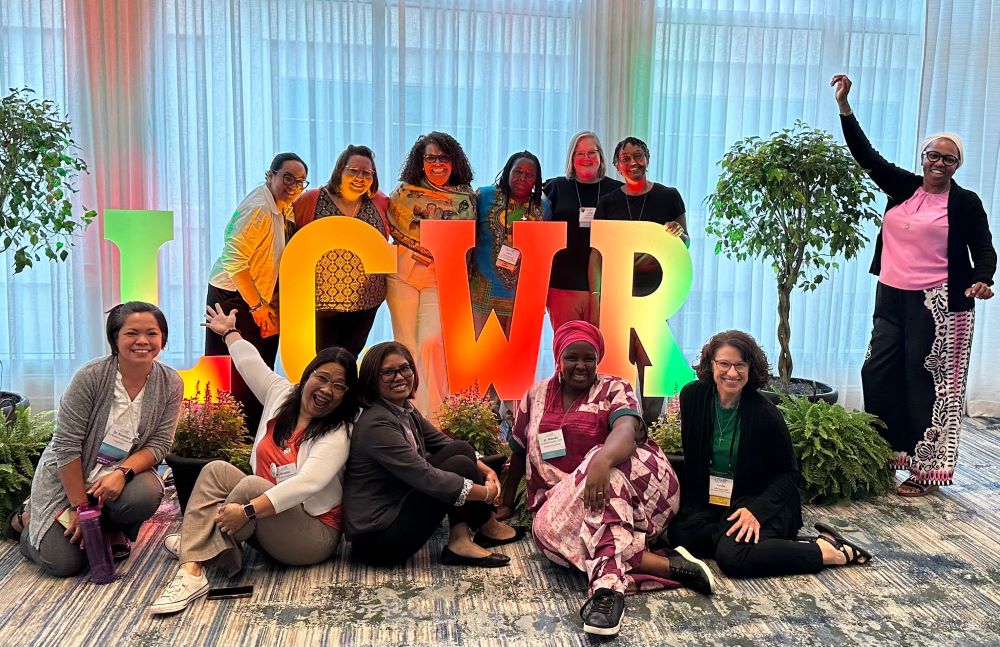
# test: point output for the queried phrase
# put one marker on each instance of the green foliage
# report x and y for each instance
(666, 432)
(211, 427)
(21, 445)
(469, 416)
(38, 180)
(797, 199)
(842, 454)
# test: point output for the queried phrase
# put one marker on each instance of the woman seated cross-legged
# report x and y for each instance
(404, 476)
(599, 489)
(740, 502)
(290, 508)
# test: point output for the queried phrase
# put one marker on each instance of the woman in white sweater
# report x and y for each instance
(290, 508)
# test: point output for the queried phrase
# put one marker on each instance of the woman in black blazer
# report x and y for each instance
(915, 374)
(739, 488)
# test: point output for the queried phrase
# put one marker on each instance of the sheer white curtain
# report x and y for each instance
(960, 92)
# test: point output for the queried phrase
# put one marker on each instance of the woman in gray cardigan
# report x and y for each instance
(115, 423)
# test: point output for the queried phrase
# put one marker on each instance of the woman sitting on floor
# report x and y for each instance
(741, 476)
(599, 488)
(290, 508)
(404, 476)
(115, 423)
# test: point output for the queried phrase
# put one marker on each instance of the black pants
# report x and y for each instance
(345, 329)
(421, 514)
(250, 331)
(702, 530)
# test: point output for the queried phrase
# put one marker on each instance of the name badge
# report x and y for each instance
(508, 258)
(281, 473)
(587, 216)
(552, 444)
(116, 445)
(720, 490)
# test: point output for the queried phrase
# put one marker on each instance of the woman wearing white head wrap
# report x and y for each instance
(915, 373)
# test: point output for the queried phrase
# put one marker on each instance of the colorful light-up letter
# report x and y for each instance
(138, 234)
(508, 364)
(297, 277)
(618, 242)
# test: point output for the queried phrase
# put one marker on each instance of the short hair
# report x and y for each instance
(760, 371)
(280, 159)
(371, 366)
(635, 141)
(287, 415)
(570, 170)
(413, 169)
(333, 186)
(118, 314)
(502, 181)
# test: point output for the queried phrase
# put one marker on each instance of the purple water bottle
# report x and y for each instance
(97, 545)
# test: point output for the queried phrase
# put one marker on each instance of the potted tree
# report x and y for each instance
(468, 415)
(799, 200)
(210, 427)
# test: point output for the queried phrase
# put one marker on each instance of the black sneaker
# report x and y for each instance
(691, 572)
(602, 614)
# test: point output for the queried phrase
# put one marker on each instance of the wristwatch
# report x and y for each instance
(127, 471)
(250, 511)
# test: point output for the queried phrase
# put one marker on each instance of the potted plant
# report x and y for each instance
(22, 441)
(468, 415)
(666, 432)
(797, 199)
(841, 452)
(210, 427)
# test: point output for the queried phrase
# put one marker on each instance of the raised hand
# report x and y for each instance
(841, 84)
(217, 320)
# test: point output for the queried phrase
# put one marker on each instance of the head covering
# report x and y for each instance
(574, 331)
(953, 138)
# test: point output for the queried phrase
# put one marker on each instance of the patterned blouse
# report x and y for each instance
(341, 282)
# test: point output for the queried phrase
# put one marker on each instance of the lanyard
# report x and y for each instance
(579, 200)
(722, 430)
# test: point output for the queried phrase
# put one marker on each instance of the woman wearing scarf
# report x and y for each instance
(434, 186)
(599, 489)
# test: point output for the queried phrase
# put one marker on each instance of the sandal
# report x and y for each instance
(121, 551)
(16, 513)
(858, 555)
(910, 488)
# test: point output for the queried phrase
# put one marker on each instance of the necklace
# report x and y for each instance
(629, 206)
(730, 422)
(579, 200)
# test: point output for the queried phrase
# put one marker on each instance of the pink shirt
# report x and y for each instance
(915, 242)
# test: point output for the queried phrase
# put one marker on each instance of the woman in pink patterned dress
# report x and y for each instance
(598, 488)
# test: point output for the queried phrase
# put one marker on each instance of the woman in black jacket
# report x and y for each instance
(739, 488)
(915, 374)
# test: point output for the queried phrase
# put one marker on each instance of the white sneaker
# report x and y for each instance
(172, 544)
(182, 591)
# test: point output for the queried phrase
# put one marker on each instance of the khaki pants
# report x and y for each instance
(292, 537)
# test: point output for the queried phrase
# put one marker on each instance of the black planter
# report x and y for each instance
(800, 387)
(677, 462)
(186, 471)
(9, 404)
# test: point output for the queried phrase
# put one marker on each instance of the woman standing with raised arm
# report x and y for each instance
(915, 373)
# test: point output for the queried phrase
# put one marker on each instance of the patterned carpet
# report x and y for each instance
(935, 581)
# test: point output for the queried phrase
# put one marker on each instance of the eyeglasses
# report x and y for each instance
(322, 380)
(934, 156)
(637, 156)
(387, 375)
(291, 180)
(724, 365)
(352, 171)
(437, 159)
(587, 155)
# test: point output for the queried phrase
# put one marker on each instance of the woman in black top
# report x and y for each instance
(915, 373)
(739, 487)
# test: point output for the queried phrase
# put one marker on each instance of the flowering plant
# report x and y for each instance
(468, 415)
(210, 426)
(666, 430)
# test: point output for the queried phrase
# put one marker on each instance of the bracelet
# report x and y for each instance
(257, 307)
(228, 332)
(486, 499)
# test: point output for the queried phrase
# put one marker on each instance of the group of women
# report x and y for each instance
(350, 451)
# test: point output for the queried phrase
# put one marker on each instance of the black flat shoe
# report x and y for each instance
(494, 560)
(489, 542)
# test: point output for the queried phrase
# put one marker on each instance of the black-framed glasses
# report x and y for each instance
(387, 375)
(437, 159)
(724, 365)
(291, 180)
(353, 171)
(934, 156)
(637, 156)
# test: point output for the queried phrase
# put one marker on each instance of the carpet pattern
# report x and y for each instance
(935, 580)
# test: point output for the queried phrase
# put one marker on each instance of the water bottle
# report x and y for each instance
(97, 544)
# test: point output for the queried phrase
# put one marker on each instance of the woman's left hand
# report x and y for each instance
(746, 526)
(979, 290)
(217, 320)
(230, 518)
(109, 487)
(597, 488)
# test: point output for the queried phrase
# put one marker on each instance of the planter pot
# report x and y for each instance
(677, 462)
(10, 403)
(800, 387)
(186, 471)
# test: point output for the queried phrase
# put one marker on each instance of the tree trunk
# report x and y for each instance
(784, 335)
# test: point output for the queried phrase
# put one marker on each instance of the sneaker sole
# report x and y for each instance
(180, 605)
(170, 552)
(604, 631)
(683, 552)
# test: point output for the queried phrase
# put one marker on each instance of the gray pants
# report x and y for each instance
(293, 537)
(60, 558)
